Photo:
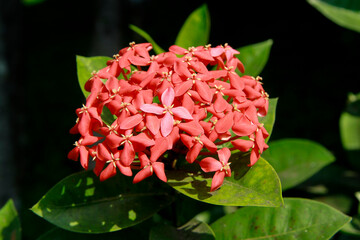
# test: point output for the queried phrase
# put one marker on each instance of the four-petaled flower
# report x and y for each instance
(221, 167)
(167, 111)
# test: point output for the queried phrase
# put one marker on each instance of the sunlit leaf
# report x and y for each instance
(81, 203)
(85, 67)
(9, 222)
(147, 37)
(255, 56)
(248, 186)
(196, 29)
(295, 160)
(193, 230)
(299, 219)
(345, 13)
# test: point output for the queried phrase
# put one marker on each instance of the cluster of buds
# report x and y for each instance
(176, 101)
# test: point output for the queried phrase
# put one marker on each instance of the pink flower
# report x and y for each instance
(167, 111)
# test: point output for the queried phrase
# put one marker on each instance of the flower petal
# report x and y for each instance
(103, 153)
(151, 108)
(142, 174)
(167, 124)
(159, 169)
(141, 141)
(224, 155)
(152, 123)
(210, 164)
(182, 88)
(167, 98)
(243, 145)
(126, 170)
(108, 172)
(193, 153)
(193, 128)
(127, 155)
(204, 90)
(225, 123)
(74, 153)
(187, 140)
(113, 140)
(217, 180)
(161, 145)
(182, 112)
(131, 122)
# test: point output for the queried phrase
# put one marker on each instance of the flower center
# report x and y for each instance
(168, 109)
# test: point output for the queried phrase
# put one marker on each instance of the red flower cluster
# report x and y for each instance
(174, 101)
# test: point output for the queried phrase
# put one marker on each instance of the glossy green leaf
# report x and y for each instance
(9, 222)
(196, 29)
(295, 160)
(81, 203)
(248, 186)
(345, 13)
(193, 230)
(255, 56)
(148, 38)
(269, 119)
(85, 67)
(299, 219)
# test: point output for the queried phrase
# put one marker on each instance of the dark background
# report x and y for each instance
(313, 64)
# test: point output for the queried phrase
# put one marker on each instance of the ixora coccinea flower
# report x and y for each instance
(185, 101)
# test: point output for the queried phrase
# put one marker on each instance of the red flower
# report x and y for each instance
(144, 111)
(221, 167)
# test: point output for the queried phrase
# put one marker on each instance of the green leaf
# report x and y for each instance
(353, 227)
(193, 230)
(85, 67)
(350, 129)
(9, 222)
(107, 116)
(295, 160)
(81, 203)
(156, 47)
(248, 186)
(255, 56)
(142, 232)
(269, 119)
(345, 13)
(341, 202)
(196, 29)
(299, 219)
